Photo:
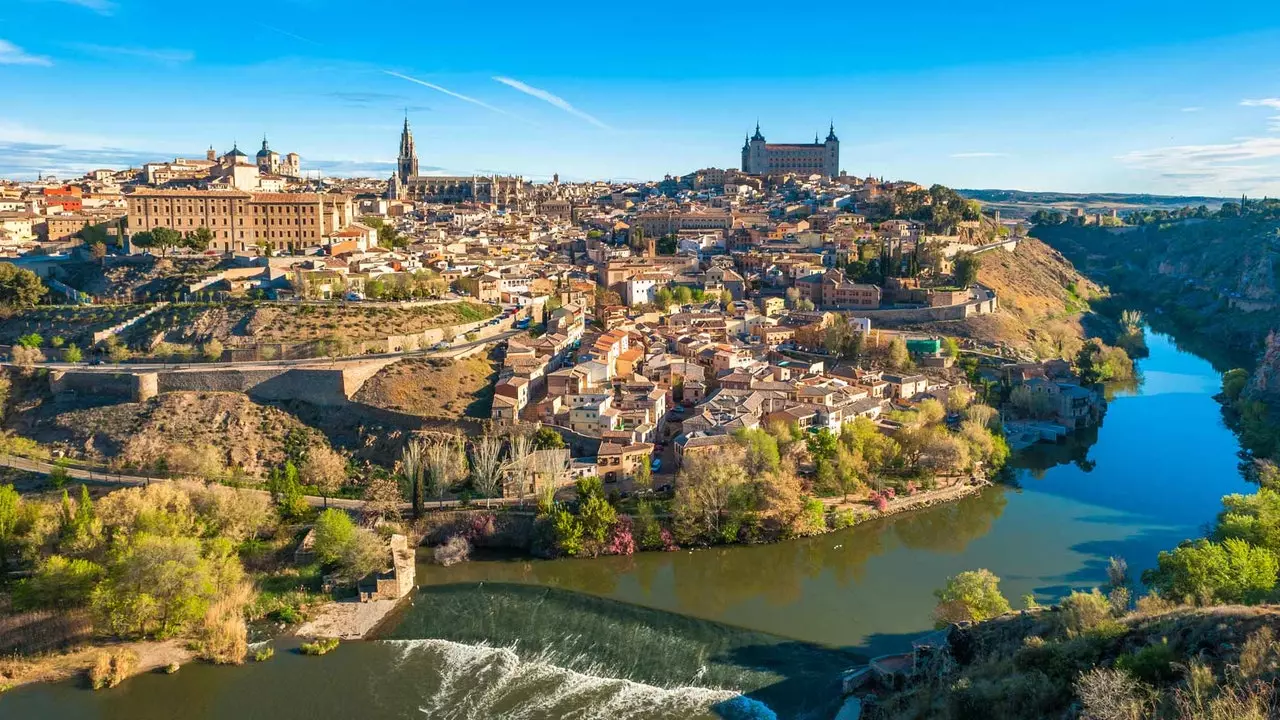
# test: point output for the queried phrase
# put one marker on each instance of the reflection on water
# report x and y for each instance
(685, 630)
(1150, 475)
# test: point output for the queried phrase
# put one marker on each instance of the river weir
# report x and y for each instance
(742, 631)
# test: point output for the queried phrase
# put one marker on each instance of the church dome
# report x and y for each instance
(265, 152)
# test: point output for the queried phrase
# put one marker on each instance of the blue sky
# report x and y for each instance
(1096, 96)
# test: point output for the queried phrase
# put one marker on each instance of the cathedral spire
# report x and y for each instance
(407, 163)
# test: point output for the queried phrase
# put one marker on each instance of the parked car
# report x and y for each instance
(656, 465)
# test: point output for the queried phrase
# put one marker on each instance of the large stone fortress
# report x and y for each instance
(407, 184)
(819, 158)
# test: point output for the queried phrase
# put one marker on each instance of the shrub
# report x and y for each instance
(844, 518)
(971, 595)
(621, 538)
(287, 615)
(319, 647)
(223, 636)
(263, 654)
(647, 529)
(172, 668)
(567, 531)
(1258, 655)
(453, 551)
(1109, 694)
(112, 668)
(1152, 664)
(334, 532)
(1082, 612)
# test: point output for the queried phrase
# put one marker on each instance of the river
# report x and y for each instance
(734, 632)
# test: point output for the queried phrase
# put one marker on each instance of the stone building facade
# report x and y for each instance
(818, 158)
(241, 221)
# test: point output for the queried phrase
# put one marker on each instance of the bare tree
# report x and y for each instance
(446, 463)
(518, 462)
(412, 466)
(382, 498)
(324, 468)
(549, 467)
(486, 466)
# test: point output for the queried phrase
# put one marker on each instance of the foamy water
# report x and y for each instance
(468, 682)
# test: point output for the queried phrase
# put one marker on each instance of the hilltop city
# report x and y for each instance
(336, 371)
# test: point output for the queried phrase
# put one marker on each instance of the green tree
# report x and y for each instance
(594, 511)
(1234, 382)
(899, 358)
(547, 439)
(199, 240)
(966, 269)
(156, 586)
(31, 340)
(648, 531)
(334, 532)
(950, 347)
(20, 287)
(683, 295)
(1253, 518)
(286, 490)
(761, 448)
(59, 583)
(663, 298)
(10, 517)
(822, 445)
(1232, 571)
(972, 595)
(707, 485)
(162, 238)
(568, 532)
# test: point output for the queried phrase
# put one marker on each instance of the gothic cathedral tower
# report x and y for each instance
(407, 164)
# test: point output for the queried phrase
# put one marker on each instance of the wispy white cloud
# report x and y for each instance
(450, 93)
(158, 55)
(550, 98)
(1244, 164)
(11, 54)
(102, 7)
(1273, 103)
(1249, 164)
(1270, 103)
(1192, 109)
(979, 155)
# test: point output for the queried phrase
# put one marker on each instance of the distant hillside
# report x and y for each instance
(1022, 203)
(1042, 298)
(1219, 277)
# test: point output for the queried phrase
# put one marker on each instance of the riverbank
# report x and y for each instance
(76, 663)
(349, 620)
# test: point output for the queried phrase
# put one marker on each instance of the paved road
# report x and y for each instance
(266, 364)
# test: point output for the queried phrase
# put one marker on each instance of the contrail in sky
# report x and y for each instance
(451, 93)
(553, 99)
